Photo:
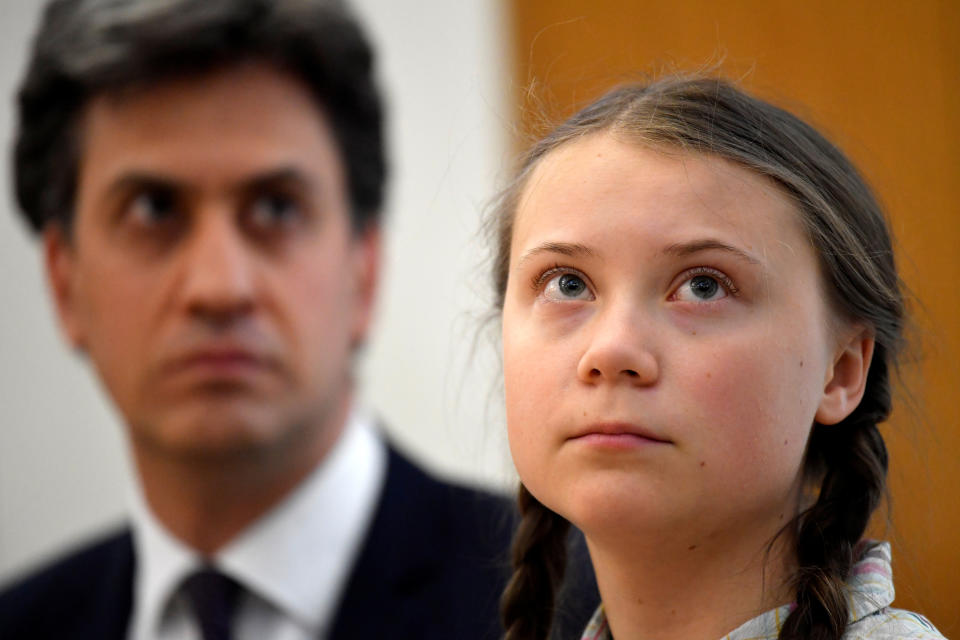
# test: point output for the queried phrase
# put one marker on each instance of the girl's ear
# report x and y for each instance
(846, 379)
(58, 254)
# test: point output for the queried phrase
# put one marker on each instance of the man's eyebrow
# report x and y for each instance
(283, 175)
(681, 249)
(138, 180)
(571, 249)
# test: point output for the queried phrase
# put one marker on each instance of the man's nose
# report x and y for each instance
(218, 269)
(620, 350)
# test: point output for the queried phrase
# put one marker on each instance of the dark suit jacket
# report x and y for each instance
(432, 566)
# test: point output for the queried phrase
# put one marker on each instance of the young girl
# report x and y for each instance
(701, 313)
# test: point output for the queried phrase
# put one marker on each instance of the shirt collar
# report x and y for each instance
(869, 587)
(297, 557)
(162, 564)
(870, 582)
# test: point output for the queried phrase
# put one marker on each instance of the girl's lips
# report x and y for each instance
(618, 434)
(621, 441)
(617, 440)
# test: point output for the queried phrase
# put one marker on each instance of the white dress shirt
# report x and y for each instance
(293, 562)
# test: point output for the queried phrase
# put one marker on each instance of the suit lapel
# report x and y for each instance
(395, 564)
(112, 604)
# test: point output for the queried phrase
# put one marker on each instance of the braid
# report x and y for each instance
(539, 558)
(853, 461)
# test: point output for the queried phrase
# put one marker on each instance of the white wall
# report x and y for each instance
(63, 467)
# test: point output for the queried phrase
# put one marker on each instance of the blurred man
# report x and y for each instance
(207, 178)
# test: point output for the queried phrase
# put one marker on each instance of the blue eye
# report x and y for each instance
(571, 285)
(567, 286)
(704, 287)
(701, 288)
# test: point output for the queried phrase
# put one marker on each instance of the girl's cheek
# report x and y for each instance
(757, 397)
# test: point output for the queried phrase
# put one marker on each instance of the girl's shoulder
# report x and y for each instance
(893, 624)
(870, 593)
(870, 589)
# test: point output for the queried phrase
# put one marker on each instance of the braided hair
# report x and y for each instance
(539, 557)
(852, 461)
(847, 462)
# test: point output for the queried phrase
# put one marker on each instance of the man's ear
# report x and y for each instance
(366, 269)
(59, 260)
(846, 379)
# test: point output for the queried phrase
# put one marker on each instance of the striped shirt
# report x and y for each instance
(869, 595)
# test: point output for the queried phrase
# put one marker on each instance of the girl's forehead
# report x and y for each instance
(606, 162)
(602, 180)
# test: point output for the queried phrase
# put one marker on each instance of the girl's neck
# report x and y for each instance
(668, 589)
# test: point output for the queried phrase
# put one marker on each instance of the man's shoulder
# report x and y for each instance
(87, 591)
(448, 508)
(433, 563)
(439, 552)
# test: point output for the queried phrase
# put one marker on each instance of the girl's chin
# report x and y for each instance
(617, 512)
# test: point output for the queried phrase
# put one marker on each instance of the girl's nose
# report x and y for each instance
(619, 352)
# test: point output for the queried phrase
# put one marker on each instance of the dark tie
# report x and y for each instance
(213, 597)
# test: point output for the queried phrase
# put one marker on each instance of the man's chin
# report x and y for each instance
(213, 433)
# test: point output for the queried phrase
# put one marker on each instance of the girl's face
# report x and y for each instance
(666, 342)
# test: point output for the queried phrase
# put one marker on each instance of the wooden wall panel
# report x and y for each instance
(882, 79)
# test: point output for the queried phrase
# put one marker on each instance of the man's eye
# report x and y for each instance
(153, 207)
(567, 286)
(273, 210)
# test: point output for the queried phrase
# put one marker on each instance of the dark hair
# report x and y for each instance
(87, 47)
(847, 461)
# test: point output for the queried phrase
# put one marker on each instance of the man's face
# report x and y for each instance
(212, 276)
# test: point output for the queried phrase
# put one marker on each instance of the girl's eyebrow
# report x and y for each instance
(681, 249)
(571, 249)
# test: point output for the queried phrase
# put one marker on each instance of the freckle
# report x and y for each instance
(784, 443)
(801, 363)
(709, 374)
(703, 463)
(584, 414)
(639, 601)
(673, 612)
(781, 516)
(693, 333)
(691, 547)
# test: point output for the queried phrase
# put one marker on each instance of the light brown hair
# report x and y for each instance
(846, 226)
